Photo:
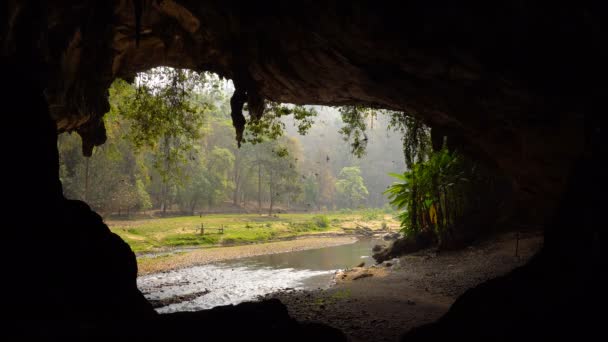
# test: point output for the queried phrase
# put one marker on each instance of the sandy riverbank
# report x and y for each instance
(418, 289)
(209, 255)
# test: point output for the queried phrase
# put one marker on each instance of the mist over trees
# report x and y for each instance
(171, 147)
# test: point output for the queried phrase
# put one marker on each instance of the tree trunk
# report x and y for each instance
(270, 207)
(193, 206)
(236, 178)
(271, 188)
(259, 188)
(235, 194)
(163, 198)
(164, 186)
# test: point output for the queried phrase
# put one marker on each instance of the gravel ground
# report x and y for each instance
(417, 289)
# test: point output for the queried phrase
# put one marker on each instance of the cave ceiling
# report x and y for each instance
(516, 81)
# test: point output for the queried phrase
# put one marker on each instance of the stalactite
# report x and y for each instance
(238, 120)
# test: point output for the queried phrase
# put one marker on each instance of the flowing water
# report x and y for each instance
(232, 282)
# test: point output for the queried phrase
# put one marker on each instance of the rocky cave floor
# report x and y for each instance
(385, 301)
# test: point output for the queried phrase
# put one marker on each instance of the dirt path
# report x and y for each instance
(209, 255)
(417, 290)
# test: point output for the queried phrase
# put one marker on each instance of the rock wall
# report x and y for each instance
(514, 82)
(520, 85)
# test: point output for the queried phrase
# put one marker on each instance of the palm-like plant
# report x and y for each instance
(430, 187)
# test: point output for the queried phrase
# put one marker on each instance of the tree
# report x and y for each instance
(311, 192)
(283, 171)
(271, 127)
(354, 129)
(207, 180)
(327, 188)
(165, 118)
(276, 164)
(114, 177)
(437, 182)
(164, 155)
(143, 198)
(350, 187)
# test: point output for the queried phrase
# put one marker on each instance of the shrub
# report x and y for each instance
(371, 214)
(321, 221)
(229, 241)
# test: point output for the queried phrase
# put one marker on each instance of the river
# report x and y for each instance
(235, 281)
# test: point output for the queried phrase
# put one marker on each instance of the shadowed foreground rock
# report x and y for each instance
(266, 320)
(558, 295)
(76, 280)
(518, 85)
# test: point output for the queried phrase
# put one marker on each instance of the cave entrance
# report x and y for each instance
(517, 84)
(297, 211)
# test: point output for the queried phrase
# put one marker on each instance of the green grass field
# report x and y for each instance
(148, 235)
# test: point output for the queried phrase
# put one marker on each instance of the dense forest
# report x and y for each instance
(171, 148)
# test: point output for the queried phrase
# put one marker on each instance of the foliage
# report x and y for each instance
(207, 180)
(414, 135)
(354, 129)
(144, 200)
(316, 223)
(308, 226)
(111, 179)
(371, 214)
(164, 117)
(311, 191)
(321, 221)
(150, 234)
(437, 194)
(350, 187)
(271, 127)
(170, 146)
(276, 162)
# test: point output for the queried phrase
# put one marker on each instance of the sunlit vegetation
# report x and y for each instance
(444, 194)
(157, 234)
(171, 150)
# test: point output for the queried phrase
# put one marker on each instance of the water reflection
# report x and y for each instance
(244, 279)
(330, 258)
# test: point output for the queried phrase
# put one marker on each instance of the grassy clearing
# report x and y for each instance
(154, 234)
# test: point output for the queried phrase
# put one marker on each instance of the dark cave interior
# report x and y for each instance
(520, 85)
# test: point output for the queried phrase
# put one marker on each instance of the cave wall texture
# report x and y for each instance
(519, 84)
